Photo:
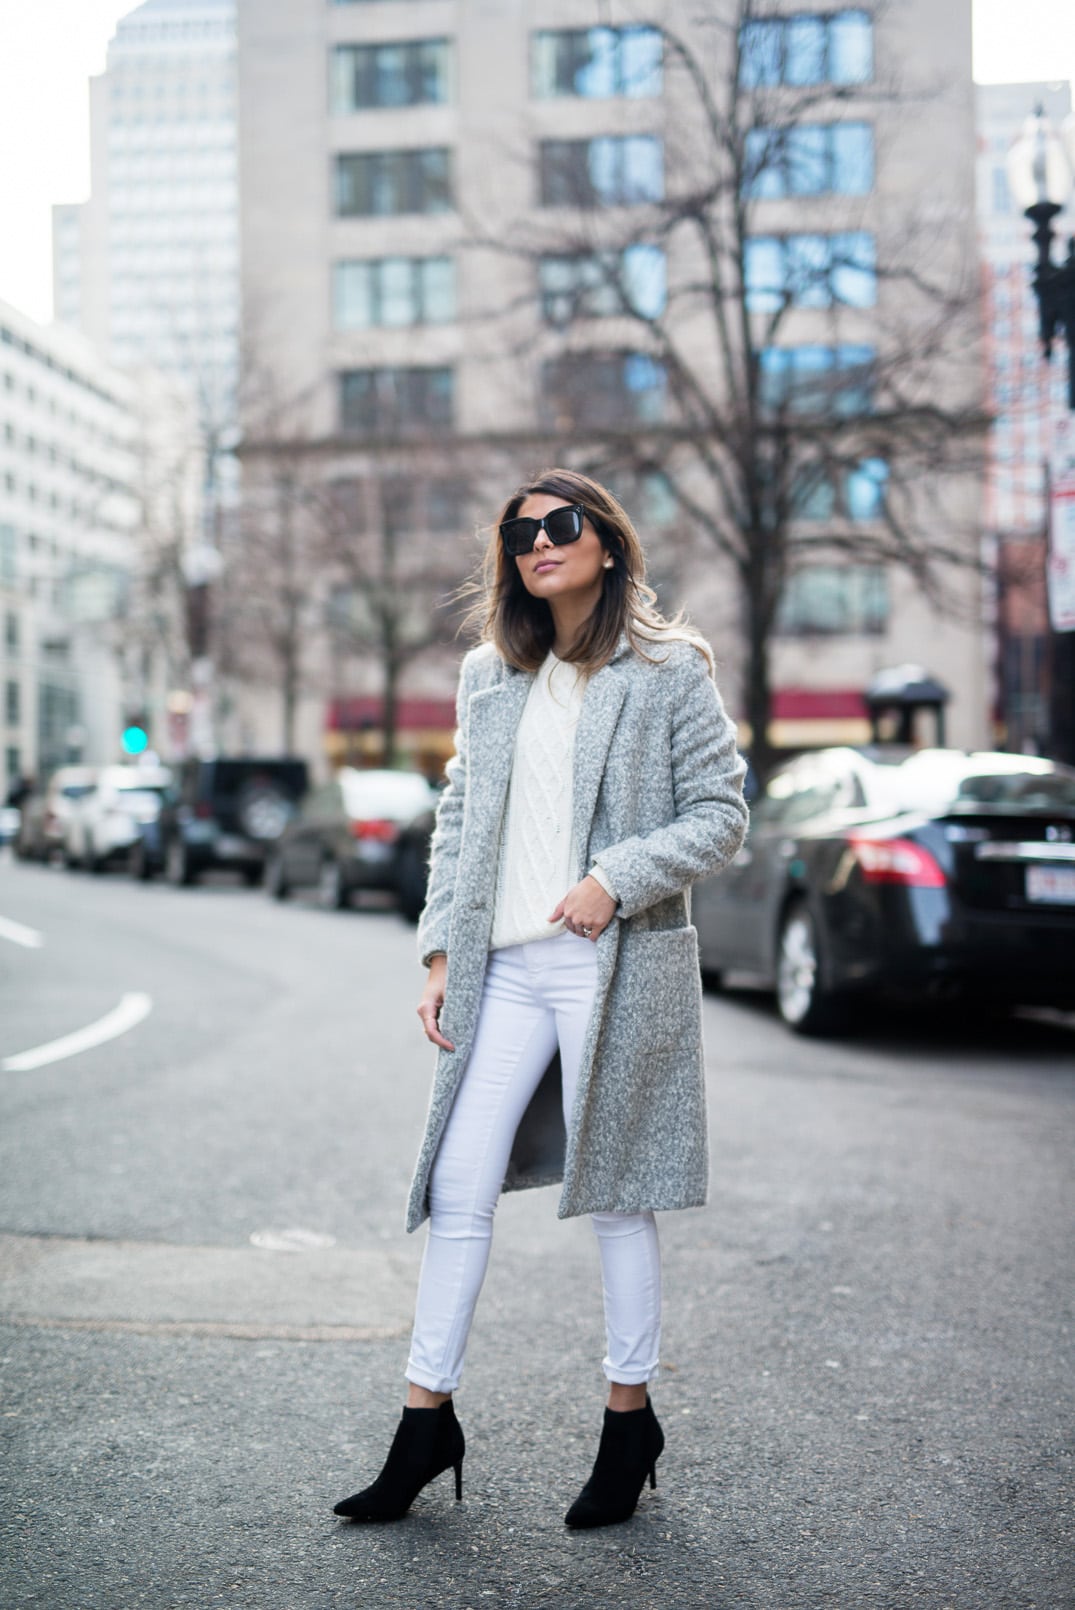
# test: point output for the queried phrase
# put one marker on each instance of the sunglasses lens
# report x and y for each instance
(518, 536)
(564, 525)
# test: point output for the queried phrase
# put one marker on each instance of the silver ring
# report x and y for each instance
(586, 932)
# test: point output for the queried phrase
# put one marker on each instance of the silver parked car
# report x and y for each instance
(107, 820)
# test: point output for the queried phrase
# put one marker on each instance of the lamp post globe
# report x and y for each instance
(1039, 172)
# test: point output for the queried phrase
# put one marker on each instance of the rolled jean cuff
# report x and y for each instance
(431, 1383)
(620, 1377)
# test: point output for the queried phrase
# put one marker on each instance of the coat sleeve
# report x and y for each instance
(710, 820)
(448, 831)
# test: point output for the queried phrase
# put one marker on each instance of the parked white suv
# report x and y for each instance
(107, 820)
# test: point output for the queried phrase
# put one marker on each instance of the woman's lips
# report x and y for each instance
(546, 564)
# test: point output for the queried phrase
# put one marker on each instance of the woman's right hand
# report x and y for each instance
(429, 1007)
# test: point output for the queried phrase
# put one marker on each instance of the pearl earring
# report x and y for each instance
(608, 564)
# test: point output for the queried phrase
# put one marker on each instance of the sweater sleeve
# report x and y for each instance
(710, 814)
(447, 833)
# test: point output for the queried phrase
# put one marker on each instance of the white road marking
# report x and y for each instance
(20, 935)
(131, 1010)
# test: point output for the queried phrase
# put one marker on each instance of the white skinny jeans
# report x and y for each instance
(535, 997)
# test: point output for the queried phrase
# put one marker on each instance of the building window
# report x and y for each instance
(611, 171)
(412, 73)
(377, 184)
(12, 704)
(834, 600)
(816, 379)
(864, 489)
(811, 271)
(11, 632)
(8, 550)
(597, 63)
(806, 49)
(855, 494)
(393, 291)
(658, 504)
(1002, 196)
(810, 159)
(386, 402)
(602, 390)
(599, 284)
(446, 502)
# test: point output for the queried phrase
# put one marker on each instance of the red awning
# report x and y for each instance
(818, 704)
(363, 712)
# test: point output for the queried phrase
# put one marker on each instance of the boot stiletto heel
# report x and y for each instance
(427, 1442)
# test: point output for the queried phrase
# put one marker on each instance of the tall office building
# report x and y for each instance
(148, 266)
(1024, 396)
(391, 229)
(70, 515)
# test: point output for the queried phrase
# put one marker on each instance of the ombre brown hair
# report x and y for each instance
(521, 627)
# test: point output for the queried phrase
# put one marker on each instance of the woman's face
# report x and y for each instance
(552, 573)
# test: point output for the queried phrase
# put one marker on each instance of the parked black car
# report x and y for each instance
(222, 813)
(937, 872)
(362, 830)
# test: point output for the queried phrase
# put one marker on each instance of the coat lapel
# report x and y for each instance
(494, 714)
(601, 705)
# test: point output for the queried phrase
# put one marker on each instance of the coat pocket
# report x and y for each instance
(656, 992)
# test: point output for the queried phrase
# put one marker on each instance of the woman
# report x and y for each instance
(595, 777)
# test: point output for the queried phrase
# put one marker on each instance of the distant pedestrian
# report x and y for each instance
(595, 778)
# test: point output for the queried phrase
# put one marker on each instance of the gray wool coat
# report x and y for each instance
(658, 803)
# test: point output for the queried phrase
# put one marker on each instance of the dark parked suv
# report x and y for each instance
(222, 813)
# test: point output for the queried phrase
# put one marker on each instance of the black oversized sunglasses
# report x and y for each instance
(561, 526)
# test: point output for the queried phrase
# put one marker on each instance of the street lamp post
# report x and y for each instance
(1041, 179)
(1041, 173)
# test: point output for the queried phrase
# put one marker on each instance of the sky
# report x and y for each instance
(50, 48)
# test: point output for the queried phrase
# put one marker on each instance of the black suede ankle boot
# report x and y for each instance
(630, 1446)
(427, 1442)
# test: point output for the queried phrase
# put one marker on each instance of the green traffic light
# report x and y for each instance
(135, 740)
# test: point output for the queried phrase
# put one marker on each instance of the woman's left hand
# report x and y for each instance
(586, 910)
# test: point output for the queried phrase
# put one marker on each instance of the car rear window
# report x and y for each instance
(940, 783)
(143, 794)
(229, 777)
(398, 796)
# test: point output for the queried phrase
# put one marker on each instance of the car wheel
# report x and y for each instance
(276, 884)
(177, 867)
(804, 1003)
(411, 879)
(331, 889)
(91, 861)
(252, 876)
(138, 863)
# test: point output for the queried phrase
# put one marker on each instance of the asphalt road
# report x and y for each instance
(867, 1380)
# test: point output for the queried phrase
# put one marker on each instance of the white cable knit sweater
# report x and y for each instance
(538, 853)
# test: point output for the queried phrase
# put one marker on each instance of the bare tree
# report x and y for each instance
(780, 448)
(393, 551)
(345, 556)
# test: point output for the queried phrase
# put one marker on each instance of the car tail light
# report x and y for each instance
(381, 832)
(895, 861)
(203, 810)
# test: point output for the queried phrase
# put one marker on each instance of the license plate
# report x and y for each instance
(1051, 885)
(230, 846)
